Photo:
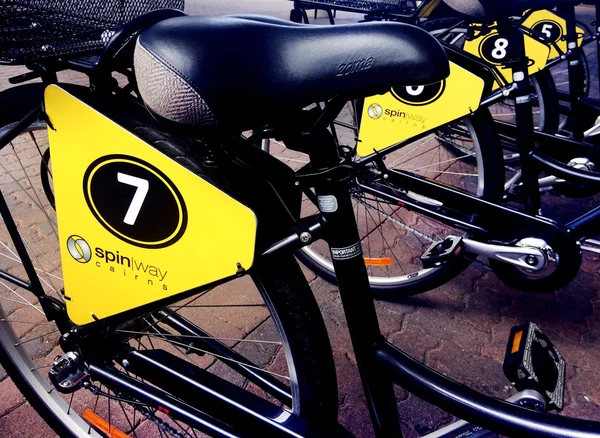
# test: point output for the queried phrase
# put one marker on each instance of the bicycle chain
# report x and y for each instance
(167, 428)
(144, 410)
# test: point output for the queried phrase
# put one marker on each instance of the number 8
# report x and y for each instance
(500, 48)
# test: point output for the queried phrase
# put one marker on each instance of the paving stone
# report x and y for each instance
(590, 263)
(352, 414)
(479, 372)
(347, 375)
(24, 422)
(582, 408)
(456, 331)
(26, 316)
(414, 341)
(585, 384)
(422, 417)
(325, 293)
(11, 397)
(481, 310)
(39, 342)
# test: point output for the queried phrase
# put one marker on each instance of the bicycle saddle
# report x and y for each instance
(242, 73)
(493, 10)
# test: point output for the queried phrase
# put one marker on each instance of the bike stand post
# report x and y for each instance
(524, 113)
(576, 75)
(597, 35)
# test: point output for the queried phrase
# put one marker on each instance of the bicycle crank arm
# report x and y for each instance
(529, 253)
(519, 255)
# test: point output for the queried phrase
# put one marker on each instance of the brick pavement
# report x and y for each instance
(459, 329)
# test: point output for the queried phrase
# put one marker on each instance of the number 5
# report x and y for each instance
(142, 186)
(546, 28)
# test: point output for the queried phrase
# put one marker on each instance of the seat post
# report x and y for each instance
(341, 233)
(519, 62)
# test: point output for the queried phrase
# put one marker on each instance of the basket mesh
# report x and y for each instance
(391, 6)
(31, 30)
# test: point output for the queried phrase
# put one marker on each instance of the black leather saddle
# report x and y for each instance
(246, 71)
(493, 10)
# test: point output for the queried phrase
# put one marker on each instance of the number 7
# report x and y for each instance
(142, 186)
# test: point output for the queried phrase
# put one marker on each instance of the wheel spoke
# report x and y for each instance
(201, 337)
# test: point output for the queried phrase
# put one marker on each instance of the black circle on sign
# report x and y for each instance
(548, 26)
(162, 218)
(490, 44)
(429, 94)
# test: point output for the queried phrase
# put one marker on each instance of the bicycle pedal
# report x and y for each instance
(442, 251)
(68, 373)
(533, 362)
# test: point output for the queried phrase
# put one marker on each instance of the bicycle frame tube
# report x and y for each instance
(500, 217)
(473, 406)
(200, 399)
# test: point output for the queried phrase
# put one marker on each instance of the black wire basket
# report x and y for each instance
(390, 6)
(31, 30)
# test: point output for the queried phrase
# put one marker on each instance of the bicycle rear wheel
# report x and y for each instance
(269, 319)
(464, 154)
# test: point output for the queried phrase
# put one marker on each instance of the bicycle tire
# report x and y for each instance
(286, 294)
(492, 186)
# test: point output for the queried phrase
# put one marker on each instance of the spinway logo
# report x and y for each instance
(79, 249)
(375, 111)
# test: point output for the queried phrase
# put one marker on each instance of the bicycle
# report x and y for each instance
(169, 384)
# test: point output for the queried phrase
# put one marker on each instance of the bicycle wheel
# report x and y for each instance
(269, 318)
(545, 112)
(394, 238)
